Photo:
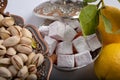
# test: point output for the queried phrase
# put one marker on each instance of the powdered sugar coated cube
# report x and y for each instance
(56, 30)
(80, 44)
(83, 58)
(65, 61)
(69, 34)
(93, 42)
(44, 30)
(51, 44)
(64, 47)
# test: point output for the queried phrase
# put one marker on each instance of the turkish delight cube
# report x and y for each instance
(51, 44)
(65, 61)
(83, 59)
(64, 47)
(80, 44)
(69, 34)
(56, 30)
(93, 42)
(44, 30)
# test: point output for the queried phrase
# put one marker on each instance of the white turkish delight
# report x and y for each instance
(56, 30)
(44, 30)
(51, 44)
(69, 34)
(64, 47)
(65, 60)
(83, 59)
(73, 23)
(93, 42)
(80, 44)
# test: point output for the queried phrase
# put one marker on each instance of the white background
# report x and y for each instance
(25, 8)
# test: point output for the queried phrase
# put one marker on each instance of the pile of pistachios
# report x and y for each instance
(18, 61)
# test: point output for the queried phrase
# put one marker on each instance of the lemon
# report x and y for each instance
(107, 65)
(113, 15)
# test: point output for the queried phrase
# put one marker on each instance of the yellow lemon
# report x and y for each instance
(113, 15)
(107, 65)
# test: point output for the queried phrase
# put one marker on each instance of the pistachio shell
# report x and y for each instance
(4, 72)
(23, 48)
(1, 18)
(11, 51)
(32, 69)
(15, 31)
(30, 57)
(26, 33)
(11, 41)
(37, 59)
(32, 77)
(23, 73)
(4, 34)
(1, 42)
(2, 50)
(5, 61)
(13, 70)
(17, 62)
(23, 57)
(8, 21)
(26, 40)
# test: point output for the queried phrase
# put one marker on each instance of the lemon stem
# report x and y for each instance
(103, 4)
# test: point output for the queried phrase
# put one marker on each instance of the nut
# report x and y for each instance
(1, 18)
(4, 72)
(2, 50)
(26, 40)
(8, 21)
(11, 51)
(15, 30)
(23, 48)
(11, 41)
(30, 57)
(26, 33)
(1, 42)
(23, 57)
(5, 61)
(17, 62)
(4, 34)
(32, 69)
(13, 70)
(32, 77)
(23, 73)
(37, 59)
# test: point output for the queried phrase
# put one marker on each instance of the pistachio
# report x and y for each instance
(37, 59)
(4, 34)
(26, 33)
(8, 21)
(32, 77)
(26, 40)
(5, 61)
(2, 50)
(23, 73)
(11, 41)
(1, 42)
(4, 72)
(13, 70)
(30, 57)
(23, 57)
(11, 51)
(2, 78)
(18, 79)
(1, 18)
(32, 69)
(23, 48)
(17, 62)
(15, 31)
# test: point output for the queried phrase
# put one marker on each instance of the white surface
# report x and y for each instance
(24, 8)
